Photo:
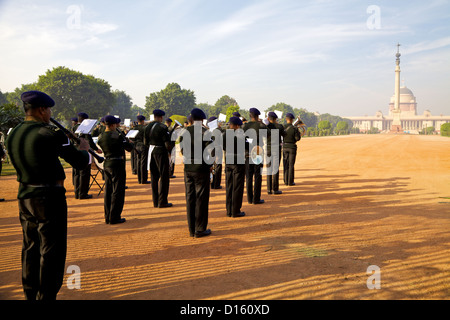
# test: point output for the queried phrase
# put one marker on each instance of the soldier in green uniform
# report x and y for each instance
(34, 147)
(114, 145)
(172, 155)
(291, 138)
(234, 167)
(141, 151)
(157, 139)
(253, 170)
(274, 149)
(99, 129)
(196, 174)
(217, 166)
(82, 178)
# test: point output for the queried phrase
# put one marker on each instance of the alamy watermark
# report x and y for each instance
(374, 20)
(74, 280)
(73, 21)
(374, 280)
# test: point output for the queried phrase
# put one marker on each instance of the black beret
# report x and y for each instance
(158, 113)
(211, 119)
(111, 120)
(236, 121)
(255, 111)
(37, 99)
(169, 120)
(102, 119)
(272, 115)
(74, 119)
(198, 114)
(83, 115)
(290, 115)
(140, 118)
(236, 114)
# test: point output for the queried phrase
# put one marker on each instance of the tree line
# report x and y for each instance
(76, 92)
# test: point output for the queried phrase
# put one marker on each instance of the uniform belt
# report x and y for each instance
(117, 158)
(58, 184)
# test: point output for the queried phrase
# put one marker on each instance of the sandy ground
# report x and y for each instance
(359, 201)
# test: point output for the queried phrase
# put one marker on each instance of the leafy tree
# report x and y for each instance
(75, 92)
(230, 110)
(283, 107)
(222, 105)
(324, 125)
(428, 130)
(308, 118)
(10, 116)
(3, 98)
(14, 97)
(342, 127)
(206, 108)
(172, 100)
(136, 111)
(445, 130)
(122, 105)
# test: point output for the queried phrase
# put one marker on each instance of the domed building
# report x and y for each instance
(403, 116)
(408, 103)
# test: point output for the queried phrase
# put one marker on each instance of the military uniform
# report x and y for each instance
(157, 139)
(293, 135)
(273, 173)
(114, 145)
(34, 149)
(196, 178)
(217, 166)
(172, 155)
(141, 153)
(253, 170)
(234, 170)
(82, 178)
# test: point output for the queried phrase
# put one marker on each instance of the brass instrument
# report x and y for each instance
(301, 126)
(73, 137)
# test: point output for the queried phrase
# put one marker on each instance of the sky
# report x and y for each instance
(333, 57)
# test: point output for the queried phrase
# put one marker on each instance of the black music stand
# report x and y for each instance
(95, 171)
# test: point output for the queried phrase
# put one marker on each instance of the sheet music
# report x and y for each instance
(86, 126)
(132, 134)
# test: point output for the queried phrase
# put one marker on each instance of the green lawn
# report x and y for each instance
(8, 169)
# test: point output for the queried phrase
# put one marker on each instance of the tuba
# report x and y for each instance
(301, 126)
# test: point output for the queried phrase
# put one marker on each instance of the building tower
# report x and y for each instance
(396, 122)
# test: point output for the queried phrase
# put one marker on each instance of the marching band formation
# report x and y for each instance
(245, 150)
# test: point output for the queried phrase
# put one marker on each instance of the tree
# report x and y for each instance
(10, 116)
(136, 111)
(206, 108)
(445, 130)
(283, 107)
(14, 97)
(122, 105)
(172, 100)
(324, 125)
(3, 99)
(308, 118)
(75, 92)
(222, 105)
(342, 127)
(231, 109)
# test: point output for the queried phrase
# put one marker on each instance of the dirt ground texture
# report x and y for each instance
(359, 201)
